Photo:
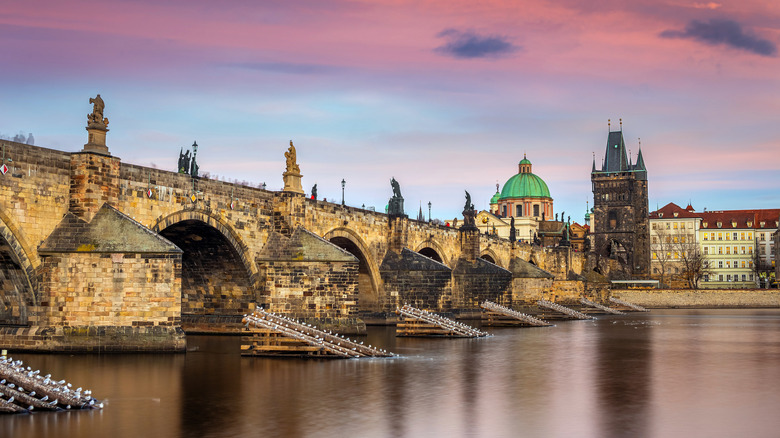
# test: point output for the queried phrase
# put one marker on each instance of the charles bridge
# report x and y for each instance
(97, 254)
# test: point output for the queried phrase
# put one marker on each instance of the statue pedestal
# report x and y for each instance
(292, 182)
(97, 140)
(395, 207)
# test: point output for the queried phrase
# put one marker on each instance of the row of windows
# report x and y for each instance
(672, 226)
(729, 277)
(728, 250)
(729, 236)
(673, 239)
(735, 264)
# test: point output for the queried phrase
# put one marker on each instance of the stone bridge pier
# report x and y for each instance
(101, 255)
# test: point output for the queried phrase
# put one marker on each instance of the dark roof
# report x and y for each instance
(523, 269)
(302, 246)
(668, 211)
(616, 159)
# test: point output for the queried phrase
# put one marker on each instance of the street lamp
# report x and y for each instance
(343, 183)
(429, 211)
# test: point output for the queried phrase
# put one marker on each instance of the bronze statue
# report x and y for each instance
(290, 155)
(469, 206)
(396, 188)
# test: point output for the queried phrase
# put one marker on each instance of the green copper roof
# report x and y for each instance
(525, 185)
(525, 161)
(495, 198)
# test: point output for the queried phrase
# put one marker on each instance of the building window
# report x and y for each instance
(707, 277)
(706, 250)
(742, 236)
(503, 210)
(613, 221)
(720, 277)
(655, 256)
(655, 239)
(744, 277)
(750, 236)
(743, 250)
(675, 225)
(655, 270)
(518, 210)
(720, 236)
(728, 250)
(668, 226)
(705, 236)
(728, 277)
(720, 264)
(728, 264)
(720, 250)
(735, 236)
(743, 263)
(536, 211)
(751, 277)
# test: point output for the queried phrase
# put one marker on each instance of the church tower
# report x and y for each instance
(620, 207)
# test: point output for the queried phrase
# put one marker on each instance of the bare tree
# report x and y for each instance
(662, 247)
(762, 269)
(695, 265)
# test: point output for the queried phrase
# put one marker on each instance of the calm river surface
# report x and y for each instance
(669, 373)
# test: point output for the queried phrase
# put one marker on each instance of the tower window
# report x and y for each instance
(612, 219)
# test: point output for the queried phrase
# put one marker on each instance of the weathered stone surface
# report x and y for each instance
(701, 298)
(416, 280)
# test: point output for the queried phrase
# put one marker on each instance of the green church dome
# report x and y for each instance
(525, 185)
(495, 198)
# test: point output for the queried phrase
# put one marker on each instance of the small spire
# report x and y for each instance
(594, 162)
(629, 158)
(609, 125)
(621, 124)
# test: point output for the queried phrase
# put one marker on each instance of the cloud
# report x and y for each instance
(467, 44)
(726, 32)
(710, 5)
(288, 68)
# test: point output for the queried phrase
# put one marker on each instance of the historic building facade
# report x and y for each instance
(737, 246)
(620, 226)
(525, 198)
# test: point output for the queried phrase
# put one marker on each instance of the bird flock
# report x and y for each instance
(561, 309)
(332, 343)
(528, 319)
(450, 327)
(590, 303)
(23, 390)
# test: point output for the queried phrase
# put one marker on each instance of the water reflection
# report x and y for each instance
(667, 373)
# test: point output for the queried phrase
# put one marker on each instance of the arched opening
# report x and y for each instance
(14, 288)
(431, 254)
(214, 280)
(488, 258)
(17, 295)
(367, 294)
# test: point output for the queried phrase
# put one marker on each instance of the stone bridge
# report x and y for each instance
(97, 254)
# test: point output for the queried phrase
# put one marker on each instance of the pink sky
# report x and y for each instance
(445, 96)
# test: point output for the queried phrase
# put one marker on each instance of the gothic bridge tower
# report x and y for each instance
(620, 222)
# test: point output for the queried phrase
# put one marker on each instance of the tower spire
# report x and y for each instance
(621, 124)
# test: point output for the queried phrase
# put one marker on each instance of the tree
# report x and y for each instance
(762, 269)
(662, 247)
(694, 265)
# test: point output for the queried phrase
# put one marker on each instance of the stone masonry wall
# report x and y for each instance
(119, 290)
(708, 298)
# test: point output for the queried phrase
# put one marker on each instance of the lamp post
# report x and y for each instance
(343, 184)
(429, 211)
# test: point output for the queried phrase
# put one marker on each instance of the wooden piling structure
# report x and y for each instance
(496, 315)
(421, 323)
(272, 335)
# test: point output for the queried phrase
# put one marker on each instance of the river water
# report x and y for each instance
(668, 373)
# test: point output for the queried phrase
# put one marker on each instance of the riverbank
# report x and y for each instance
(701, 298)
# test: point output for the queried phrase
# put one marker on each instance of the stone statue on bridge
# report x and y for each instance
(292, 174)
(395, 206)
(314, 192)
(292, 158)
(96, 118)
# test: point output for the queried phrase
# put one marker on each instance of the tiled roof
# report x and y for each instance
(668, 211)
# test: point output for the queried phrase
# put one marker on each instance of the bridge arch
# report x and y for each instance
(368, 269)
(490, 256)
(17, 279)
(211, 219)
(218, 275)
(431, 249)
